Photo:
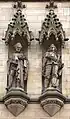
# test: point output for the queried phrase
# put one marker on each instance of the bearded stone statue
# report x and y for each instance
(17, 69)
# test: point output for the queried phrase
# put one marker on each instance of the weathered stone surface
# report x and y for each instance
(16, 100)
(52, 109)
(52, 101)
(36, 9)
(15, 108)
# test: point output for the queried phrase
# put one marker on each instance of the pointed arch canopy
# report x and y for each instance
(52, 25)
(18, 26)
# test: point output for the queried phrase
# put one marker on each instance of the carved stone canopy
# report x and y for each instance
(51, 25)
(18, 30)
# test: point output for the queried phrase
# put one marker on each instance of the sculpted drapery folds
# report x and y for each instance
(17, 69)
(52, 68)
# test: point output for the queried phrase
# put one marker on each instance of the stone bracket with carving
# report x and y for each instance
(52, 101)
(16, 100)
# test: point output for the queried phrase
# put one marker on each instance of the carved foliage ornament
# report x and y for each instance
(19, 5)
(51, 5)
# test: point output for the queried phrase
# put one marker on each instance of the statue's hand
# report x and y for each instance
(20, 57)
(62, 65)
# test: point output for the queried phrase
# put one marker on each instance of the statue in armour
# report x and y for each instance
(17, 69)
(52, 68)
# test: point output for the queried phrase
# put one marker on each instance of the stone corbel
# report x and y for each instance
(52, 101)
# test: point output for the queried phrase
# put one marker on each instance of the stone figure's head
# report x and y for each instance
(18, 47)
(52, 48)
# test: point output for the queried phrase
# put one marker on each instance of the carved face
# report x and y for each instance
(52, 48)
(18, 47)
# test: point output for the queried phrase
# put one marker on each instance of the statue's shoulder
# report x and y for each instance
(47, 54)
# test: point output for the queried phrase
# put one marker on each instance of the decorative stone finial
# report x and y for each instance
(19, 5)
(51, 5)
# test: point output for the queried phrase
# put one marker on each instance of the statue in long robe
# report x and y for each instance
(17, 69)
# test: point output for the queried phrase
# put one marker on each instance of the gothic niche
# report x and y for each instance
(52, 39)
(17, 38)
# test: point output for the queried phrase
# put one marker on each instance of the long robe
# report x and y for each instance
(17, 71)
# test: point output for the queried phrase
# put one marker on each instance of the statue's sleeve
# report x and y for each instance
(26, 68)
(26, 64)
(44, 61)
(8, 66)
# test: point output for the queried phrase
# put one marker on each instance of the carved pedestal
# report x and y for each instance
(16, 100)
(52, 101)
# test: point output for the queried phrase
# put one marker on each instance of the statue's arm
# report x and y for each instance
(26, 64)
(8, 66)
(44, 60)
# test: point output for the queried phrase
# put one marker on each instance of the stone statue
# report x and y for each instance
(52, 68)
(17, 69)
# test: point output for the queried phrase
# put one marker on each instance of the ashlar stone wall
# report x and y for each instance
(35, 13)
